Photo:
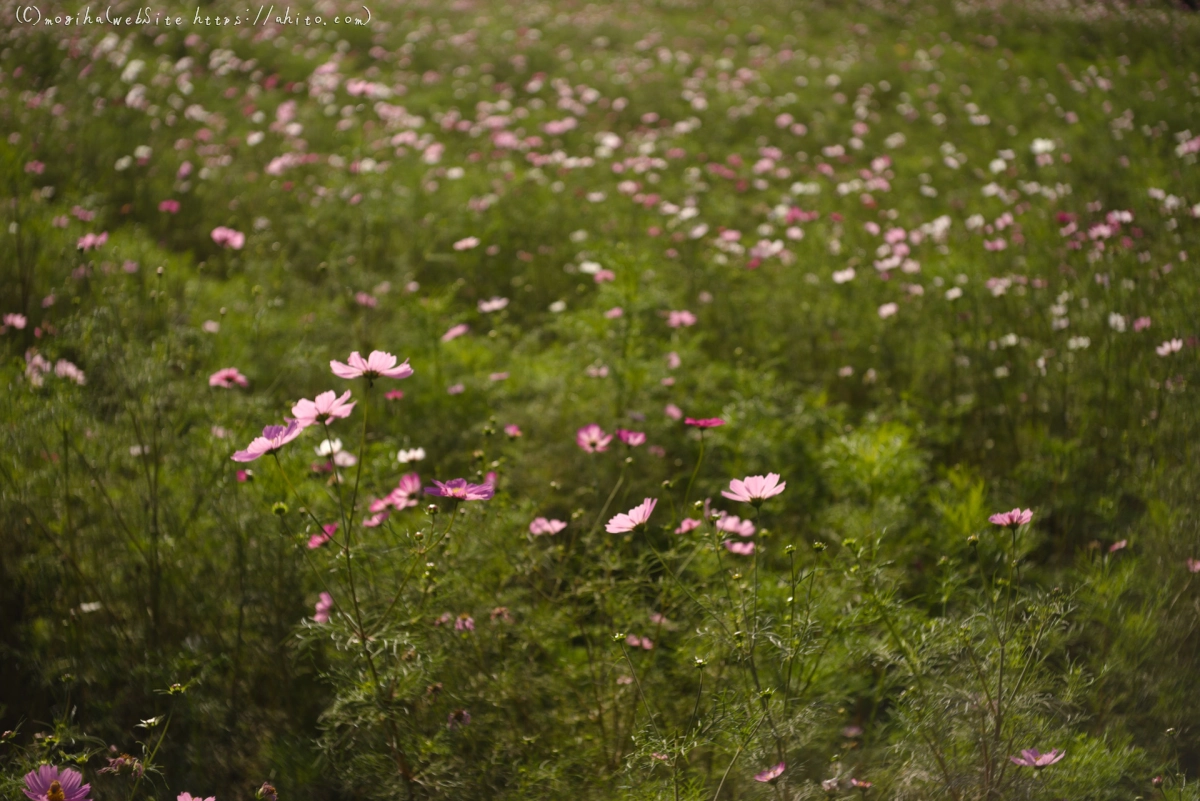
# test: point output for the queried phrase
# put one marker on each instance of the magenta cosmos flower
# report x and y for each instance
(49, 783)
(273, 438)
(460, 489)
(771, 774)
(326, 534)
(633, 519)
(541, 525)
(376, 365)
(190, 797)
(226, 377)
(325, 408)
(1014, 518)
(754, 489)
(1032, 758)
(592, 438)
(704, 422)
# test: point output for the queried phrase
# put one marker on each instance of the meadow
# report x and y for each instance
(637, 400)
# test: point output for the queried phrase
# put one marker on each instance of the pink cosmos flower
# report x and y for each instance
(673, 361)
(887, 310)
(512, 430)
(754, 489)
(614, 313)
(460, 489)
(17, 321)
(170, 207)
(394, 394)
(735, 525)
(635, 518)
(190, 797)
(602, 276)
(592, 438)
(1169, 347)
(326, 408)
(497, 376)
(495, 304)
(49, 783)
(273, 438)
(541, 525)
(1119, 545)
(323, 536)
(739, 548)
(229, 238)
(861, 784)
(455, 332)
(456, 389)
(467, 244)
(1141, 324)
(673, 411)
(324, 606)
(1032, 758)
(464, 622)
(226, 377)
(771, 774)
(704, 422)
(375, 520)
(89, 241)
(688, 524)
(676, 319)
(66, 369)
(404, 496)
(631, 438)
(1014, 518)
(376, 365)
(1193, 565)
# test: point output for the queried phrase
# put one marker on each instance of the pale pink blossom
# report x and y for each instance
(673, 411)
(273, 438)
(631, 438)
(688, 524)
(229, 238)
(325, 408)
(226, 377)
(493, 305)
(754, 489)
(771, 774)
(323, 608)
(1032, 758)
(467, 244)
(1014, 518)
(455, 332)
(17, 321)
(592, 438)
(676, 319)
(376, 365)
(887, 310)
(635, 518)
(541, 525)
(1169, 347)
(739, 548)
(733, 524)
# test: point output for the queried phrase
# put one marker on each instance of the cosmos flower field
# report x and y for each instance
(634, 400)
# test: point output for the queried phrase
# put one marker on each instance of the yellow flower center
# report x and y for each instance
(55, 793)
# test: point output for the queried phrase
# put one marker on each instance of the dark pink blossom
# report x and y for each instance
(704, 422)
